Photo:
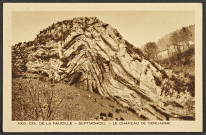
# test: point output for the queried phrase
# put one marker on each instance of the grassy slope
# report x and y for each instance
(68, 102)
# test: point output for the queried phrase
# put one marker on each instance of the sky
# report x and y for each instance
(137, 27)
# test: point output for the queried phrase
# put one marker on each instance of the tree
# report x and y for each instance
(150, 50)
(181, 38)
(185, 36)
(175, 40)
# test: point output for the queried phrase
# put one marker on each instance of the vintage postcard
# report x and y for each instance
(102, 67)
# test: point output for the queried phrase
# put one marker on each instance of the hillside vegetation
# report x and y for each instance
(183, 65)
(178, 56)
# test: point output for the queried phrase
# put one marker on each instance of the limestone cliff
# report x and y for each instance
(94, 56)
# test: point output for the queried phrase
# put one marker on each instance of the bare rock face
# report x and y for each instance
(92, 55)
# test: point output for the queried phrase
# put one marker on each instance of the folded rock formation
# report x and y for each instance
(94, 56)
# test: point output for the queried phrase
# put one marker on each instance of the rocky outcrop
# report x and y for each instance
(92, 55)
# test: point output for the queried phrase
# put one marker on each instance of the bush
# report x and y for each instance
(37, 104)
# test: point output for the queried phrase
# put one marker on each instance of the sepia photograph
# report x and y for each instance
(103, 66)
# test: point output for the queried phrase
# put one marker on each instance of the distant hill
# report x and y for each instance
(164, 41)
(171, 43)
